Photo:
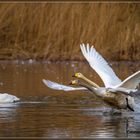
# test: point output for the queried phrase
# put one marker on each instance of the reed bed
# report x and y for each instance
(53, 31)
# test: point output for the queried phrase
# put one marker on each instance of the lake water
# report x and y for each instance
(43, 112)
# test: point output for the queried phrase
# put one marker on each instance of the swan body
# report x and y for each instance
(118, 100)
(7, 98)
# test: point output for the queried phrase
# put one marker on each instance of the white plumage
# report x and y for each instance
(130, 82)
(57, 86)
(7, 98)
(99, 64)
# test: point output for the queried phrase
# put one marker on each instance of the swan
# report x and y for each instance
(118, 100)
(111, 81)
(8, 98)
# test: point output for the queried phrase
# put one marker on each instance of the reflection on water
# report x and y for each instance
(44, 112)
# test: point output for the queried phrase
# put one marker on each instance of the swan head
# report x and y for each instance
(78, 75)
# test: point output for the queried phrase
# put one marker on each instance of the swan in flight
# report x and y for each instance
(8, 98)
(118, 100)
(99, 64)
(112, 83)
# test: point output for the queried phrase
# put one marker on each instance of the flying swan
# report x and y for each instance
(98, 63)
(112, 83)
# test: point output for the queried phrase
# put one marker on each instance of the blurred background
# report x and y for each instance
(54, 31)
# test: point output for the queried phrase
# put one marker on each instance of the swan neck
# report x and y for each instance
(92, 89)
(90, 82)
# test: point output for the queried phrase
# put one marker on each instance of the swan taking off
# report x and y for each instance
(7, 98)
(99, 64)
(112, 83)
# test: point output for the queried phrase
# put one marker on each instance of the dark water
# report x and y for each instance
(43, 112)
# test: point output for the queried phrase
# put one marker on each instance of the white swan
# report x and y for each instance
(7, 98)
(111, 81)
(116, 92)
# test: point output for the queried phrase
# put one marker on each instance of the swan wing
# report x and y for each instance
(131, 82)
(121, 90)
(56, 86)
(125, 91)
(99, 64)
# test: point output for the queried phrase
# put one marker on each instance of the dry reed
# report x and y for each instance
(53, 31)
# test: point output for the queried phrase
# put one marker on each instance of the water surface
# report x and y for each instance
(43, 112)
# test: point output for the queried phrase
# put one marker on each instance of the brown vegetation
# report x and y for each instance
(53, 31)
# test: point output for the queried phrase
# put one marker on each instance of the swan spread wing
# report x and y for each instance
(99, 64)
(57, 86)
(131, 82)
